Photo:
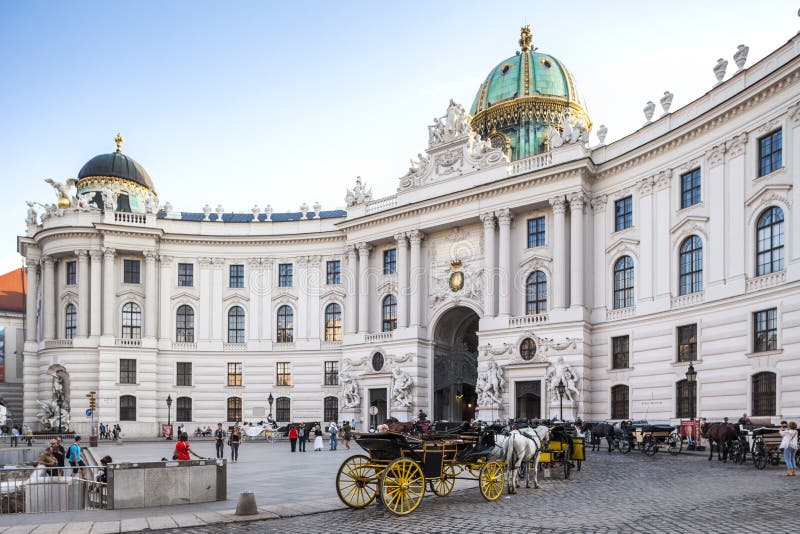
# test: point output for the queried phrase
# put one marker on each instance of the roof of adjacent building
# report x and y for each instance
(13, 286)
(116, 165)
(248, 217)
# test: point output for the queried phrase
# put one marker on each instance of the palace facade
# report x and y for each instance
(514, 256)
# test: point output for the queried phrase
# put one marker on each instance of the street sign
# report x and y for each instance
(88, 413)
(373, 410)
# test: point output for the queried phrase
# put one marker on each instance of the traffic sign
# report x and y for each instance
(88, 413)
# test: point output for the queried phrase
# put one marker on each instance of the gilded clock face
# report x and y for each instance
(457, 281)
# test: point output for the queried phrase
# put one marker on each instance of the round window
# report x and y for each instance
(527, 349)
(377, 361)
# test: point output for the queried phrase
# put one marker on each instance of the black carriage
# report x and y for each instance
(650, 438)
(400, 468)
(765, 446)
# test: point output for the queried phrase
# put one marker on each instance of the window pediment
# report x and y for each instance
(769, 194)
(333, 292)
(185, 295)
(238, 297)
(624, 244)
(534, 262)
(131, 292)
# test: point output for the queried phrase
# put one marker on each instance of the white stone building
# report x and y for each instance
(499, 268)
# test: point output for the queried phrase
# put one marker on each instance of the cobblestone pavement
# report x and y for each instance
(612, 493)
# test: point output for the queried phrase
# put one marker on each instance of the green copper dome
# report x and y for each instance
(522, 97)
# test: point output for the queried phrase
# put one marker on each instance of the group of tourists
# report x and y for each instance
(300, 434)
(55, 458)
(113, 433)
(15, 432)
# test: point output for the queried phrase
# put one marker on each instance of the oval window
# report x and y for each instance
(377, 361)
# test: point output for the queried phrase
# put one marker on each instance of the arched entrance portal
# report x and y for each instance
(455, 365)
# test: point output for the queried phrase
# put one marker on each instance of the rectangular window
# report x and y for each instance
(390, 261)
(127, 408)
(765, 330)
(536, 232)
(183, 409)
(285, 275)
(333, 272)
(186, 274)
(127, 371)
(72, 271)
(184, 377)
(690, 188)
(331, 373)
(234, 409)
(234, 373)
(687, 343)
(770, 153)
(132, 271)
(686, 396)
(623, 213)
(236, 278)
(283, 374)
(620, 350)
(620, 403)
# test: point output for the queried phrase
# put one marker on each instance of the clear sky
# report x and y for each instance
(281, 103)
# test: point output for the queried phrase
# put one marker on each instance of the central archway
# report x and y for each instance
(455, 365)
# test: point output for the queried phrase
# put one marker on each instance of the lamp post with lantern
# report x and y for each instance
(691, 380)
(270, 400)
(169, 417)
(561, 388)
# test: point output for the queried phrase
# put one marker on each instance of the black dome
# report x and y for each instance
(117, 165)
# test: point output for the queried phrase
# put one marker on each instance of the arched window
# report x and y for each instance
(623, 283)
(389, 314)
(131, 321)
(70, 321)
(536, 293)
(127, 408)
(691, 266)
(764, 394)
(184, 324)
(283, 409)
(769, 241)
(333, 322)
(234, 409)
(183, 409)
(285, 324)
(235, 326)
(619, 402)
(527, 349)
(331, 409)
(685, 398)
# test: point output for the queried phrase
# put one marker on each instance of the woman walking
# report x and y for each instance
(348, 434)
(236, 437)
(317, 438)
(293, 437)
(789, 446)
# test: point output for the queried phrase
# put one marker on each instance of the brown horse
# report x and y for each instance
(599, 431)
(720, 434)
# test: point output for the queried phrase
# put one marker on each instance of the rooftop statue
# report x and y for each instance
(360, 194)
(63, 192)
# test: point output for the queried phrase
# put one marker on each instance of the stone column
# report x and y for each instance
(109, 290)
(363, 287)
(83, 292)
(662, 272)
(488, 264)
(96, 315)
(150, 295)
(48, 299)
(577, 208)
(735, 188)
(598, 263)
(30, 302)
(205, 303)
(254, 283)
(350, 289)
(559, 244)
(219, 322)
(713, 194)
(415, 296)
(165, 305)
(505, 276)
(402, 280)
(646, 217)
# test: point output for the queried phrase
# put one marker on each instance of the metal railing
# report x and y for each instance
(33, 490)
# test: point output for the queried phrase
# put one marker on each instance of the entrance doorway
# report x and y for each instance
(377, 398)
(529, 399)
(455, 365)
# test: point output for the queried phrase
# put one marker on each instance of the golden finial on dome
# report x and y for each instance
(118, 139)
(525, 38)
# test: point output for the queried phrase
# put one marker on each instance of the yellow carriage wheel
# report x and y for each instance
(356, 481)
(402, 486)
(444, 484)
(491, 480)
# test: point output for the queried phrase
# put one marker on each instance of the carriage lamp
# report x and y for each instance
(270, 400)
(561, 388)
(169, 416)
(691, 374)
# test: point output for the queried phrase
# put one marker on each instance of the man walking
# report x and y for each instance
(219, 436)
(301, 437)
(14, 436)
(333, 429)
(74, 456)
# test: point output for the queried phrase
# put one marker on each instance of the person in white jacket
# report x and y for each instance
(789, 445)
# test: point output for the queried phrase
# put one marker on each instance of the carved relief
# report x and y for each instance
(736, 145)
(715, 156)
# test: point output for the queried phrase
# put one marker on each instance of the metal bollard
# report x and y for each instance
(246, 504)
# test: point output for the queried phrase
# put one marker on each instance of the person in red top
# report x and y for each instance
(293, 437)
(182, 448)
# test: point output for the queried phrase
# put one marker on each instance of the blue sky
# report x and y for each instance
(283, 103)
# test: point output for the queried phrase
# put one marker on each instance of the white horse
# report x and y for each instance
(522, 447)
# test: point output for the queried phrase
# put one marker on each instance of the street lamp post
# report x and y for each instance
(270, 400)
(691, 380)
(169, 416)
(561, 388)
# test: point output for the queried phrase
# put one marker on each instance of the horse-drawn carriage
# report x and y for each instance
(563, 450)
(764, 444)
(400, 467)
(649, 438)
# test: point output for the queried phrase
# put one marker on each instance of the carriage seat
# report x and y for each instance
(484, 446)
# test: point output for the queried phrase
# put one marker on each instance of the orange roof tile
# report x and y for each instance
(13, 286)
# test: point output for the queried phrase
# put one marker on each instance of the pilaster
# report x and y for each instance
(363, 287)
(109, 290)
(83, 292)
(416, 275)
(504, 273)
(48, 298)
(402, 280)
(96, 311)
(488, 264)
(559, 246)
